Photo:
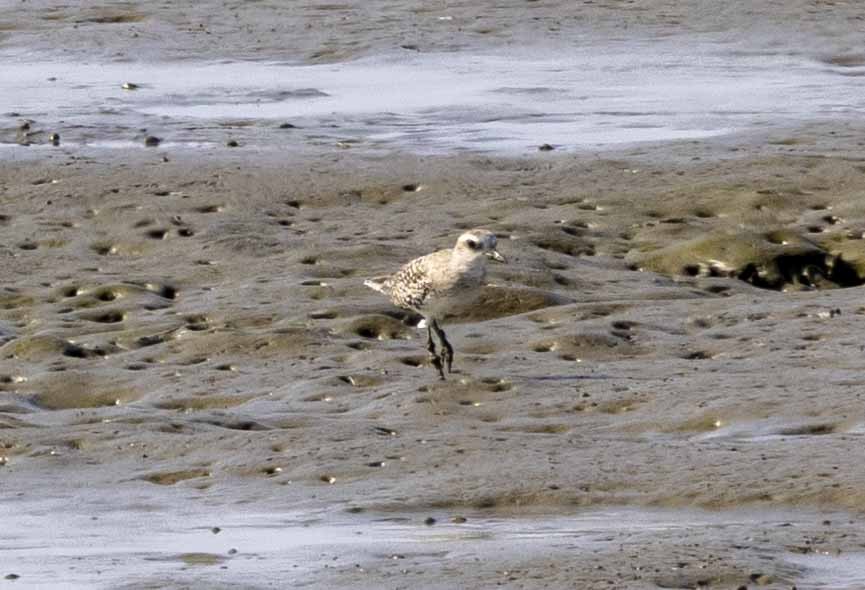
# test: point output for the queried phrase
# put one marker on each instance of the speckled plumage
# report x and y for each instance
(430, 283)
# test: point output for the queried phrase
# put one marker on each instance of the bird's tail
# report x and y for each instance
(377, 284)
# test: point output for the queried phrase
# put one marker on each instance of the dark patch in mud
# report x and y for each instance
(816, 270)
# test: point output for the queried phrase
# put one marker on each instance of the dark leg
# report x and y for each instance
(431, 347)
(447, 351)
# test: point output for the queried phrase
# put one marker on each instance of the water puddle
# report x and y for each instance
(768, 430)
(831, 572)
(584, 98)
(50, 544)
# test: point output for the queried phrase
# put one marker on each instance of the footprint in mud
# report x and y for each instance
(326, 314)
(148, 296)
(42, 348)
(197, 322)
(210, 209)
(76, 390)
(360, 381)
(204, 402)
(104, 248)
(495, 384)
(564, 243)
(231, 423)
(546, 428)
(466, 393)
(105, 317)
(378, 327)
(169, 478)
(819, 429)
(415, 361)
(12, 299)
(587, 345)
(157, 234)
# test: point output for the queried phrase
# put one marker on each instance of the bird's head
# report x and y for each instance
(479, 242)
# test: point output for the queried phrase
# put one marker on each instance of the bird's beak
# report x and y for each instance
(496, 256)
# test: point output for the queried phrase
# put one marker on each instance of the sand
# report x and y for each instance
(185, 339)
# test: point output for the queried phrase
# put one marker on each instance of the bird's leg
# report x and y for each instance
(447, 351)
(431, 347)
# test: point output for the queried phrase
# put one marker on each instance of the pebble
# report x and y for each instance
(429, 521)
(761, 579)
(545, 148)
(54, 138)
(152, 141)
(12, 576)
(232, 143)
(129, 86)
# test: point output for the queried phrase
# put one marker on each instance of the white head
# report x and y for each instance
(478, 242)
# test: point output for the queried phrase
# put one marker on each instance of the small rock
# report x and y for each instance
(328, 479)
(287, 126)
(12, 576)
(54, 138)
(761, 579)
(429, 521)
(215, 530)
(545, 148)
(152, 141)
(232, 143)
(458, 519)
(130, 86)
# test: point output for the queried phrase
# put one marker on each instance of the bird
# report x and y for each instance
(432, 284)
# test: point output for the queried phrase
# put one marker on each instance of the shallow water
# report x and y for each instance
(831, 572)
(579, 98)
(132, 544)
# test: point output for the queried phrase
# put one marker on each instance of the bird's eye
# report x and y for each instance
(472, 244)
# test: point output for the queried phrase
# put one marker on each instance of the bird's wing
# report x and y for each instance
(411, 285)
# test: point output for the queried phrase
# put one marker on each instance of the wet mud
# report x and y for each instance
(245, 363)
(662, 389)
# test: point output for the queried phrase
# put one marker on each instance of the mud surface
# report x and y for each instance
(666, 378)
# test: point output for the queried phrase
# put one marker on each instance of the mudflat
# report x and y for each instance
(662, 389)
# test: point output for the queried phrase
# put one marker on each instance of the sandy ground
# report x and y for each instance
(188, 331)
(324, 31)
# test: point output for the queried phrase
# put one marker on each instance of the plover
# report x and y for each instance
(431, 284)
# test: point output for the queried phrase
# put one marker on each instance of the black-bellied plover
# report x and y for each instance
(431, 284)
